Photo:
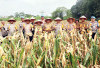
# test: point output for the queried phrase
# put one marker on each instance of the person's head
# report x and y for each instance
(32, 19)
(71, 20)
(39, 22)
(58, 20)
(77, 21)
(83, 18)
(2, 22)
(48, 20)
(42, 18)
(93, 18)
(27, 21)
(22, 19)
(11, 21)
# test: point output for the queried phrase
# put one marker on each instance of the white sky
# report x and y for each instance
(34, 7)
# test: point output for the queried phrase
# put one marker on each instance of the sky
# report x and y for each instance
(34, 7)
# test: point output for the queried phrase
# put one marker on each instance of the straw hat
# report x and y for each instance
(48, 19)
(32, 18)
(12, 19)
(27, 19)
(58, 19)
(38, 21)
(83, 17)
(71, 18)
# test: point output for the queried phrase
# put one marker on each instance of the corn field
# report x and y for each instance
(66, 50)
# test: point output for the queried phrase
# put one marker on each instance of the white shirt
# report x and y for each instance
(94, 26)
(21, 26)
(70, 27)
(28, 29)
(58, 27)
(11, 28)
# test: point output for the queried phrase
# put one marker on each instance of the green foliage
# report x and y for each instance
(86, 7)
(61, 12)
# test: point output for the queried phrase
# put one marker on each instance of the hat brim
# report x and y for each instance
(27, 20)
(83, 18)
(48, 20)
(33, 19)
(11, 20)
(38, 22)
(58, 20)
(71, 18)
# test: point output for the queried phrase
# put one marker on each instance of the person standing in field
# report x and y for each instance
(58, 26)
(47, 27)
(83, 23)
(38, 27)
(33, 24)
(28, 29)
(70, 25)
(22, 22)
(21, 25)
(11, 27)
(94, 25)
(32, 20)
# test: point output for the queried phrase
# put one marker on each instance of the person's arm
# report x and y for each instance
(97, 24)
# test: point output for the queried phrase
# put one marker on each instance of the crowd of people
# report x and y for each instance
(30, 26)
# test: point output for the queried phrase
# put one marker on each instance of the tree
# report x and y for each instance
(17, 15)
(86, 7)
(61, 12)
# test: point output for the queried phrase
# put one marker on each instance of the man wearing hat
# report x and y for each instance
(47, 26)
(21, 24)
(38, 27)
(33, 24)
(94, 25)
(58, 25)
(28, 29)
(70, 25)
(83, 23)
(32, 20)
(11, 27)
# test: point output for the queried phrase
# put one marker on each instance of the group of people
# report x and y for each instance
(31, 26)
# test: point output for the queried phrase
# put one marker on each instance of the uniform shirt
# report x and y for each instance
(47, 26)
(94, 26)
(4, 26)
(21, 26)
(3, 30)
(84, 25)
(28, 29)
(77, 26)
(70, 27)
(58, 27)
(43, 21)
(11, 28)
(38, 28)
